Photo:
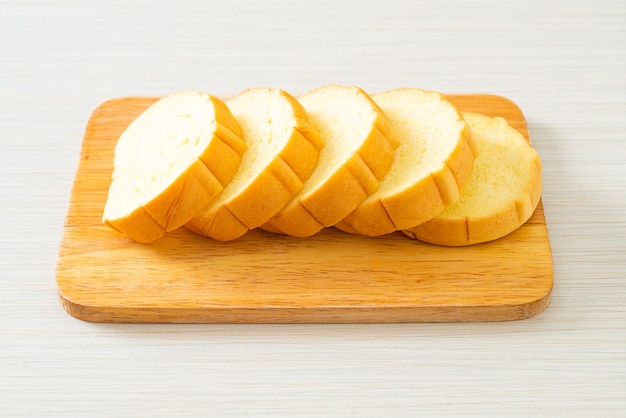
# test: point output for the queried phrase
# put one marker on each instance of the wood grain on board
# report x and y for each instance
(266, 278)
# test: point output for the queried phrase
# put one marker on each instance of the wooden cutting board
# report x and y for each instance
(266, 278)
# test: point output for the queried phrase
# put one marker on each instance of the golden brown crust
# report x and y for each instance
(341, 192)
(379, 148)
(302, 151)
(374, 218)
(140, 226)
(223, 155)
(324, 206)
(176, 204)
(229, 227)
(296, 222)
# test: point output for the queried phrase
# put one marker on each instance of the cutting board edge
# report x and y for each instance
(293, 315)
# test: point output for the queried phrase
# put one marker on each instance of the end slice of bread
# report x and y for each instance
(170, 162)
(358, 153)
(434, 160)
(502, 194)
(283, 149)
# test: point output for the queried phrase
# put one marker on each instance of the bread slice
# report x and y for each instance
(170, 162)
(283, 149)
(432, 163)
(503, 193)
(358, 153)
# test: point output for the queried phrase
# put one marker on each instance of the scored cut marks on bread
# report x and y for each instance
(170, 162)
(502, 195)
(433, 161)
(283, 149)
(358, 152)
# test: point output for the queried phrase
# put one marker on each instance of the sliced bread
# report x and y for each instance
(358, 153)
(170, 162)
(502, 194)
(283, 149)
(434, 160)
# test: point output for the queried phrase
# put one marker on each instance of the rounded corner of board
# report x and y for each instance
(535, 307)
(75, 309)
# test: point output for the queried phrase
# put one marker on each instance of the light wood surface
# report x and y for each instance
(268, 278)
(562, 62)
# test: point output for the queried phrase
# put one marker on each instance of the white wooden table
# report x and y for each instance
(563, 62)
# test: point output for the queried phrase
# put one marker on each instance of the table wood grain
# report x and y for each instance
(561, 62)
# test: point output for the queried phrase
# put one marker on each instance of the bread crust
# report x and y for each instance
(469, 230)
(344, 189)
(142, 226)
